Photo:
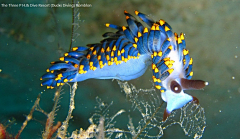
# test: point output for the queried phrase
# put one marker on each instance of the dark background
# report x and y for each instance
(30, 39)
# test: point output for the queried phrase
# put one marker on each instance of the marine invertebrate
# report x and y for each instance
(126, 54)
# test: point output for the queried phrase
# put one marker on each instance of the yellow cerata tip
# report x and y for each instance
(107, 24)
(167, 28)
(66, 54)
(61, 58)
(182, 36)
(162, 22)
(74, 48)
(145, 30)
(191, 73)
(124, 28)
(136, 12)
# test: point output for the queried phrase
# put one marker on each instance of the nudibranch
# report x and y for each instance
(126, 54)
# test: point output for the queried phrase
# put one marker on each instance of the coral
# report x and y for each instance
(102, 125)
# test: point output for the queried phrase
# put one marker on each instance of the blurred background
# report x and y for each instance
(31, 38)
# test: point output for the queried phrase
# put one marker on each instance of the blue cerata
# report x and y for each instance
(126, 54)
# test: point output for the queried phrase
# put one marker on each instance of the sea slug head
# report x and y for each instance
(175, 96)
